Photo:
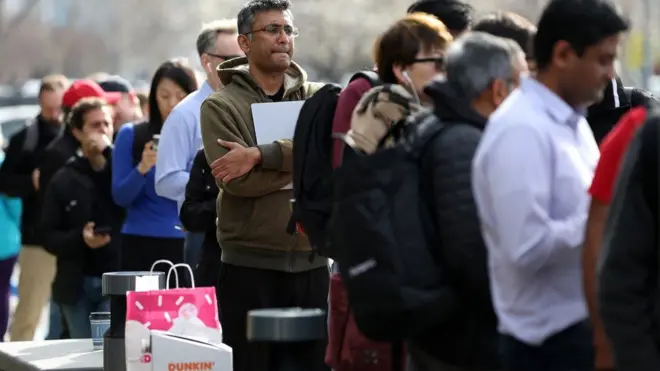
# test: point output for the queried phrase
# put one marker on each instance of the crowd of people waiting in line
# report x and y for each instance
(545, 263)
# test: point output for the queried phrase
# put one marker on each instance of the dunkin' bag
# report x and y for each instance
(190, 312)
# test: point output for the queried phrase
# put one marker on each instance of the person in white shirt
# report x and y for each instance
(530, 179)
(181, 138)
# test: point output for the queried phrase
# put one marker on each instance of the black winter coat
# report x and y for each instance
(198, 214)
(77, 195)
(470, 339)
(21, 160)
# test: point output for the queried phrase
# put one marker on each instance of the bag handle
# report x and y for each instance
(173, 268)
(176, 274)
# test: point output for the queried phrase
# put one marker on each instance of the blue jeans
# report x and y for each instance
(77, 315)
(193, 248)
(568, 350)
(55, 322)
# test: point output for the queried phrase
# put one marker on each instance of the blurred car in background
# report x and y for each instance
(14, 118)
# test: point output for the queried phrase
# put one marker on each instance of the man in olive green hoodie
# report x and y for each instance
(263, 265)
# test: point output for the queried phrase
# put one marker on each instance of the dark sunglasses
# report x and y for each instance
(438, 61)
(223, 57)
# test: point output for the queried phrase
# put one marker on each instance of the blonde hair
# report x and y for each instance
(207, 35)
(53, 82)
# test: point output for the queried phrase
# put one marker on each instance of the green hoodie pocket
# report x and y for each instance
(268, 221)
(234, 216)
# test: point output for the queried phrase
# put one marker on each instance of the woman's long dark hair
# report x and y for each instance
(179, 71)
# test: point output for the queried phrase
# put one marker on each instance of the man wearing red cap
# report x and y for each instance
(86, 89)
(67, 144)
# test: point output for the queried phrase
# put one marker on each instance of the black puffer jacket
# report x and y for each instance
(469, 341)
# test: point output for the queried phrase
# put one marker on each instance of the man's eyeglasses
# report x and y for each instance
(438, 61)
(276, 29)
(223, 57)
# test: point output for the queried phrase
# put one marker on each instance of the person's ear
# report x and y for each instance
(499, 91)
(206, 62)
(400, 74)
(563, 54)
(244, 43)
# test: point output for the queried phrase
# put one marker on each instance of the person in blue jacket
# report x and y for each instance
(152, 230)
(11, 209)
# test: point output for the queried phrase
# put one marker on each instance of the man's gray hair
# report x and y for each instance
(250, 10)
(209, 32)
(475, 60)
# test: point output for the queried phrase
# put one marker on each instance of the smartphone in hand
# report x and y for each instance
(102, 229)
(155, 139)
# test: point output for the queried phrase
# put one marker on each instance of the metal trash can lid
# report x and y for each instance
(286, 325)
(118, 283)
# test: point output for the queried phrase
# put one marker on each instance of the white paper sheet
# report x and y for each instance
(274, 121)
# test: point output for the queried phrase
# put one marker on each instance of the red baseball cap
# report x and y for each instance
(87, 89)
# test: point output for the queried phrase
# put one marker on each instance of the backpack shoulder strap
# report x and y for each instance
(370, 76)
(421, 129)
(31, 136)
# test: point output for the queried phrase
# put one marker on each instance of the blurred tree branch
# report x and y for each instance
(133, 37)
(6, 28)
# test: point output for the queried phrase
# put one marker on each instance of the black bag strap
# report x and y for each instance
(370, 76)
(31, 136)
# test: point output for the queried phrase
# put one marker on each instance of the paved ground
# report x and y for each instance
(42, 330)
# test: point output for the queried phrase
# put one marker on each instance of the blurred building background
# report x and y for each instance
(131, 37)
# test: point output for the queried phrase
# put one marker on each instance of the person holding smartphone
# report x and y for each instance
(80, 222)
(151, 230)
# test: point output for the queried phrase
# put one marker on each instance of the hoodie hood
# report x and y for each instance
(449, 106)
(237, 71)
(614, 98)
(604, 115)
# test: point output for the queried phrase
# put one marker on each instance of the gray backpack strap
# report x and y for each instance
(31, 136)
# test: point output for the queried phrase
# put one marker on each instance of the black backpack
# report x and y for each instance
(312, 164)
(383, 232)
